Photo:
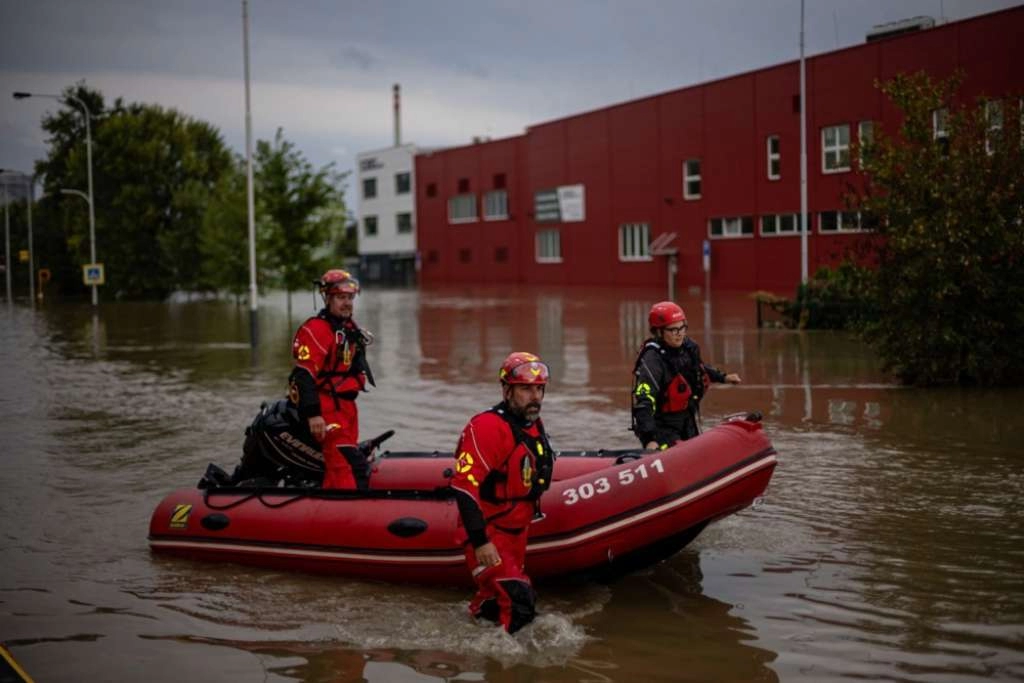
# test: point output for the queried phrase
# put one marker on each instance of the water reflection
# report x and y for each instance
(590, 339)
(707, 636)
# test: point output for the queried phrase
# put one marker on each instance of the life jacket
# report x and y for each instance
(689, 379)
(526, 472)
(341, 375)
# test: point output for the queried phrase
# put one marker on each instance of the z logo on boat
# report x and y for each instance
(179, 518)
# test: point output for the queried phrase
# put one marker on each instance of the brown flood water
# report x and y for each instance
(889, 545)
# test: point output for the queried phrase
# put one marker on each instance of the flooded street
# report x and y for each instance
(889, 545)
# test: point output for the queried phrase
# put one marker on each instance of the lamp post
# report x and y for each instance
(29, 182)
(88, 154)
(7, 248)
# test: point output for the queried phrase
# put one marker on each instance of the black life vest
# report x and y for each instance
(689, 379)
(526, 472)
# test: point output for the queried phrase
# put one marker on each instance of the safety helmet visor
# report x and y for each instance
(530, 372)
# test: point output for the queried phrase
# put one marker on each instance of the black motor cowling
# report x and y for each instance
(278, 447)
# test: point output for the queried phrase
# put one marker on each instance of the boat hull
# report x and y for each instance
(604, 513)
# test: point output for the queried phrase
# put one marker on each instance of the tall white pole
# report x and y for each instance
(803, 154)
(92, 211)
(31, 257)
(7, 247)
(250, 194)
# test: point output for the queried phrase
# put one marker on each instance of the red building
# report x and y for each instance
(579, 200)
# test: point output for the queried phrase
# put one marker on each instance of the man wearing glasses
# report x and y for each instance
(669, 380)
(330, 371)
(503, 465)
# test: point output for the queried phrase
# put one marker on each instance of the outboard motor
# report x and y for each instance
(278, 446)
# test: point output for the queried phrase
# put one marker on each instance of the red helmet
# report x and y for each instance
(337, 280)
(664, 313)
(523, 368)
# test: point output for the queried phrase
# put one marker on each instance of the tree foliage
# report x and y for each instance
(948, 209)
(299, 217)
(153, 171)
(170, 203)
(833, 299)
(304, 213)
(224, 236)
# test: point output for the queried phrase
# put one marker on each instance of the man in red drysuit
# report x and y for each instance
(503, 464)
(330, 371)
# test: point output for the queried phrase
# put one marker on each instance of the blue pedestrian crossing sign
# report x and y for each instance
(92, 274)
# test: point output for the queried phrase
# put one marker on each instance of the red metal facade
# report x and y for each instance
(629, 157)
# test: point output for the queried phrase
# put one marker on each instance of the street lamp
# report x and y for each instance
(88, 153)
(29, 182)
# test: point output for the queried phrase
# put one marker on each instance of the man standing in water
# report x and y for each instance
(330, 371)
(503, 464)
(669, 380)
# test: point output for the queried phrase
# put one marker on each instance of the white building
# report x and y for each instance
(387, 215)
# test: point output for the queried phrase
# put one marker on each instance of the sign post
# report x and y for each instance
(706, 263)
(659, 247)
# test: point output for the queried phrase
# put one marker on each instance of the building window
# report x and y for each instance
(499, 181)
(774, 158)
(500, 254)
(462, 208)
(463, 185)
(496, 205)
(403, 182)
(549, 246)
(835, 149)
(993, 125)
(369, 188)
(403, 223)
(634, 242)
(431, 189)
(780, 224)
(865, 138)
(839, 221)
(691, 179)
(736, 226)
(369, 226)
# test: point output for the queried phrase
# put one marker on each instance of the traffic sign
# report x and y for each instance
(92, 274)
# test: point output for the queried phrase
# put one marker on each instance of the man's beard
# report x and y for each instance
(530, 412)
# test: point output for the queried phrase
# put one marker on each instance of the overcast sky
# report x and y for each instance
(323, 70)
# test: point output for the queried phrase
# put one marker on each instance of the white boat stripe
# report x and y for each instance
(653, 512)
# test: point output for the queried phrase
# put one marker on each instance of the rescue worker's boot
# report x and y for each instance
(357, 460)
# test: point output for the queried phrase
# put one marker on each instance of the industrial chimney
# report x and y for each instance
(398, 119)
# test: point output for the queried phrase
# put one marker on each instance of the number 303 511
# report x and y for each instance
(601, 485)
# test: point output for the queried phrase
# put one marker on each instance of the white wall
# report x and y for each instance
(383, 165)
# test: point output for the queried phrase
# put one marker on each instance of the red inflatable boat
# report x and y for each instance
(605, 513)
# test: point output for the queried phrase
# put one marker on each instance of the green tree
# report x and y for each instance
(948, 211)
(304, 212)
(224, 236)
(153, 172)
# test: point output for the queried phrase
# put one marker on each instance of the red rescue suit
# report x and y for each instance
(503, 465)
(330, 371)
